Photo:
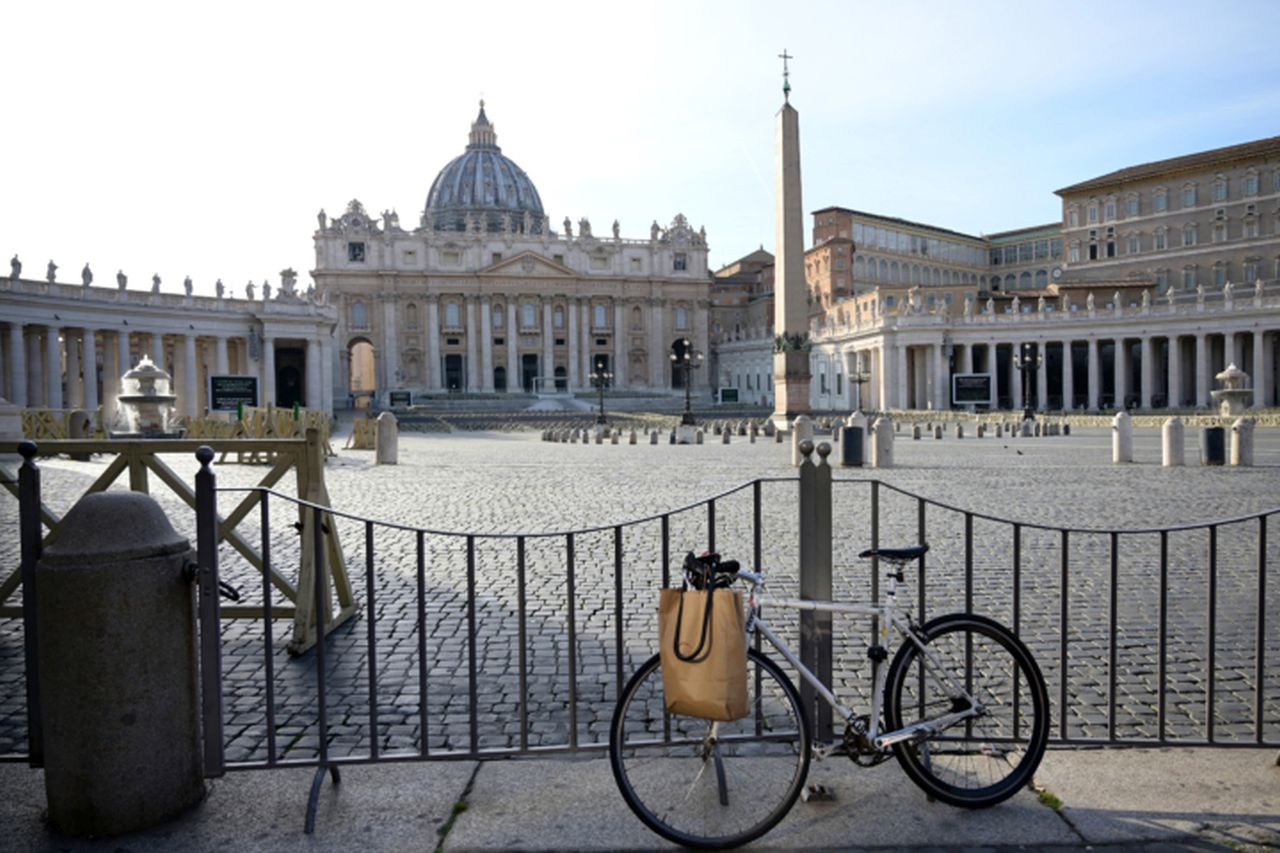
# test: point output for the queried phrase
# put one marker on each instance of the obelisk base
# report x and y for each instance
(791, 379)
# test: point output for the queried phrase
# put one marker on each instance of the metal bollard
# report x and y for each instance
(1213, 446)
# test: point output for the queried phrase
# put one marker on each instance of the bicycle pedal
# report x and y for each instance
(817, 792)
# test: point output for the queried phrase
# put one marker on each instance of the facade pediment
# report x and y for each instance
(528, 265)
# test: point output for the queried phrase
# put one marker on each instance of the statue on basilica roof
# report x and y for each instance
(568, 227)
(186, 285)
(86, 275)
(51, 273)
(617, 230)
(122, 280)
(584, 227)
(15, 268)
(323, 219)
(155, 282)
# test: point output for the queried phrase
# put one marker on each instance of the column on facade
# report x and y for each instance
(486, 344)
(1175, 371)
(35, 374)
(220, 360)
(658, 365)
(900, 377)
(157, 350)
(1237, 349)
(111, 377)
(619, 345)
(966, 357)
(1148, 372)
(514, 376)
(434, 381)
(326, 375)
(390, 342)
(268, 370)
(17, 387)
(1095, 374)
(1068, 377)
(548, 342)
(1015, 376)
(1123, 370)
(312, 392)
(74, 398)
(53, 359)
(1261, 371)
(1042, 376)
(1202, 371)
(701, 326)
(576, 380)
(89, 368)
(939, 371)
(588, 362)
(473, 344)
(879, 359)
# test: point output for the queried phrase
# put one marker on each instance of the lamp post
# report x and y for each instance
(600, 378)
(685, 358)
(1024, 361)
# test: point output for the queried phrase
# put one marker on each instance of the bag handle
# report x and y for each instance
(693, 656)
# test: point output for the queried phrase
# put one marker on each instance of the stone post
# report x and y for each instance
(815, 577)
(801, 431)
(1121, 438)
(882, 443)
(1242, 442)
(1173, 443)
(386, 446)
(118, 683)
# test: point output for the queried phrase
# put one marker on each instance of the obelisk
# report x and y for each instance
(790, 308)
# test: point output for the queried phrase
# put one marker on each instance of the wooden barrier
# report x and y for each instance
(364, 433)
(140, 458)
(259, 422)
(55, 424)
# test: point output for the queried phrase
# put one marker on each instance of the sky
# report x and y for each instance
(201, 139)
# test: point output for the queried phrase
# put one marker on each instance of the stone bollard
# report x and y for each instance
(999, 430)
(716, 430)
(979, 432)
(769, 428)
(882, 443)
(1039, 430)
(1066, 428)
(1172, 443)
(801, 431)
(1242, 442)
(959, 430)
(697, 437)
(633, 437)
(778, 436)
(599, 436)
(80, 426)
(1122, 438)
(915, 432)
(1028, 428)
(653, 437)
(386, 444)
(613, 438)
(937, 432)
(673, 437)
(117, 663)
(727, 435)
(753, 435)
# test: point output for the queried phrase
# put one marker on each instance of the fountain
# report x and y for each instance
(1232, 397)
(146, 403)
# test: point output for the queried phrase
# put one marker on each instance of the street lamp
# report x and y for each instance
(600, 378)
(684, 357)
(1024, 361)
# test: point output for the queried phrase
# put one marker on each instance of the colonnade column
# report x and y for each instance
(584, 354)
(53, 358)
(1148, 373)
(269, 371)
(619, 346)
(17, 367)
(1120, 370)
(220, 360)
(1015, 376)
(514, 377)
(1201, 371)
(486, 345)
(111, 379)
(89, 368)
(189, 372)
(900, 377)
(548, 332)
(1175, 371)
(74, 394)
(880, 359)
(939, 377)
(1068, 378)
(1237, 349)
(474, 382)
(575, 367)
(1261, 371)
(326, 375)
(157, 350)
(35, 377)
(1095, 375)
(312, 392)
(1042, 376)
(434, 382)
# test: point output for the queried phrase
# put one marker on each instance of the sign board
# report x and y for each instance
(400, 399)
(728, 395)
(970, 388)
(227, 393)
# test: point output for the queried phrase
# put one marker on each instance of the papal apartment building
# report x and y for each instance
(1156, 278)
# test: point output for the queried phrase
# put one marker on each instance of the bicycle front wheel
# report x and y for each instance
(984, 759)
(708, 784)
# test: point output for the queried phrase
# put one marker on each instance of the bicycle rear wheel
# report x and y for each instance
(705, 784)
(985, 759)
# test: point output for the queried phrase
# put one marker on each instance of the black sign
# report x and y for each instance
(728, 395)
(228, 393)
(401, 399)
(971, 388)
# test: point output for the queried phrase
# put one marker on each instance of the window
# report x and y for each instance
(1188, 235)
(682, 318)
(497, 316)
(1161, 200)
(1250, 271)
(528, 315)
(1162, 281)
(359, 316)
(1220, 189)
(1189, 195)
(1042, 249)
(889, 300)
(411, 316)
(1131, 206)
(1134, 244)
(839, 263)
(559, 259)
(1093, 213)
(1074, 254)
(599, 262)
(1251, 184)
(449, 257)
(1073, 219)
(1161, 240)
(452, 320)
(495, 257)
(1055, 247)
(1251, 228)
(355, 253)
(1111, 210)
(1220, 232)
(681, 262)
(1219, 274)
(557, 317)
(600, 317)
(635, 265)
(1189, 278)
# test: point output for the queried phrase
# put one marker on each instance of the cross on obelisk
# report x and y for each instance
(790, 308)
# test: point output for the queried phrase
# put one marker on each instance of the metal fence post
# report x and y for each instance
(815, 579)
(210, 615)
(30, 532)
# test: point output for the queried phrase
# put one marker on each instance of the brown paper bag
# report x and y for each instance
(712, 682)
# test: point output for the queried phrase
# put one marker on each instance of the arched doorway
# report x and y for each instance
(362, 376)
(499, 379)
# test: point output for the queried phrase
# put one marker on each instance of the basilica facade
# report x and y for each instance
(487, 295)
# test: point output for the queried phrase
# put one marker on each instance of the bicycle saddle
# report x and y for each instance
(900, 555)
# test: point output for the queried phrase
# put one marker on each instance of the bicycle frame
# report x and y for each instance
(888, 616)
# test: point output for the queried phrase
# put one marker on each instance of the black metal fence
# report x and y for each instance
(479, 645)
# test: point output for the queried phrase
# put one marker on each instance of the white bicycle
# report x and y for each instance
(962, 704)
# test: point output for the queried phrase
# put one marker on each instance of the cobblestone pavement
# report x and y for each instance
(497, 484)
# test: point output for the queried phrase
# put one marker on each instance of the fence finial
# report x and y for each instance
(806, 448)
(28, 450)
(824, 450)
(204, 455)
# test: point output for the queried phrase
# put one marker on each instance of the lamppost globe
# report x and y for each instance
(684, 358)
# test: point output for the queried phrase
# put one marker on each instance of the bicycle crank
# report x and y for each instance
(858, 746)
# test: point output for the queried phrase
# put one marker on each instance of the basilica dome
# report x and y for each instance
(482, 186)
